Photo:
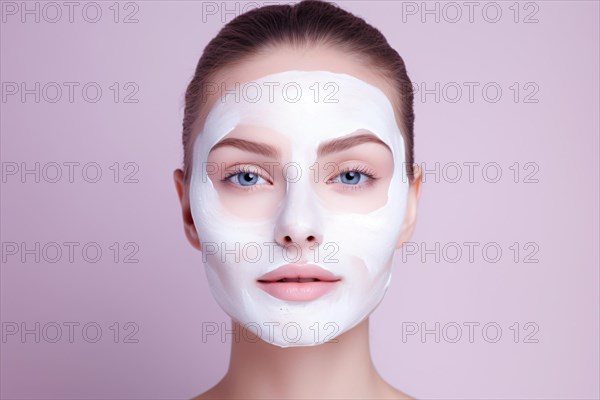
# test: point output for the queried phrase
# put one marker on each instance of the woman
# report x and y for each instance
(298, 185)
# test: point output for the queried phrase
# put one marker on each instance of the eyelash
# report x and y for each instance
(357, 168)
(242, 169)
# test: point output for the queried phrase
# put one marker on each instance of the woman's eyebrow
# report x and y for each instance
(262, 149)
(345, 143)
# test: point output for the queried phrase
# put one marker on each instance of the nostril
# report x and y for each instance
(287, 239)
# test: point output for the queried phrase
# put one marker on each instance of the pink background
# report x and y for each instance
(166, 295)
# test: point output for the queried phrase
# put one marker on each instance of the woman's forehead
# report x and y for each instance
(286, 109)
(304, 104)
(281, 58)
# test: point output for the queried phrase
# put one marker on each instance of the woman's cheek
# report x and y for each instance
(342, 198)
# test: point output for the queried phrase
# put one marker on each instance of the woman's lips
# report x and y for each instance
(293, 282)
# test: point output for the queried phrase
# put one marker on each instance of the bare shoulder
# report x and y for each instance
(214, 392)
(386, 392)
(391, 392)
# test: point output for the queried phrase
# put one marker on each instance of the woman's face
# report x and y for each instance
(299, 164)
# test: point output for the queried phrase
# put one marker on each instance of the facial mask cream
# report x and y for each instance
(356, 246)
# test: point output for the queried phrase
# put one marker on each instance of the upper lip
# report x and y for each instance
(295, 271)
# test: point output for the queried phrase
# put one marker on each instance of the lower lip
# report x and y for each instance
(298, 291)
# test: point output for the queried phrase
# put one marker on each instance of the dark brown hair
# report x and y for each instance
(306, 23)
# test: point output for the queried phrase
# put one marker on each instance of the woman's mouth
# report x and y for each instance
(294, 282)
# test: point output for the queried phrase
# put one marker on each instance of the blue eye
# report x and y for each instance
(354, 176)
(244, 176)
(351, 177)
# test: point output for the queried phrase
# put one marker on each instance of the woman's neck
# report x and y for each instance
(339, 369)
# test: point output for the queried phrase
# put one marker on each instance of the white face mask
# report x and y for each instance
(356, 245)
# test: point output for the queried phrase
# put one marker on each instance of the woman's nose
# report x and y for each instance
(300, 220)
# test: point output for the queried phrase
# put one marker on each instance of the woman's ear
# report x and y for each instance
(410, 219)
(188, 222)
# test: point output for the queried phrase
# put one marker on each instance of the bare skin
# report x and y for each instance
(258, 369)
(331, 370)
